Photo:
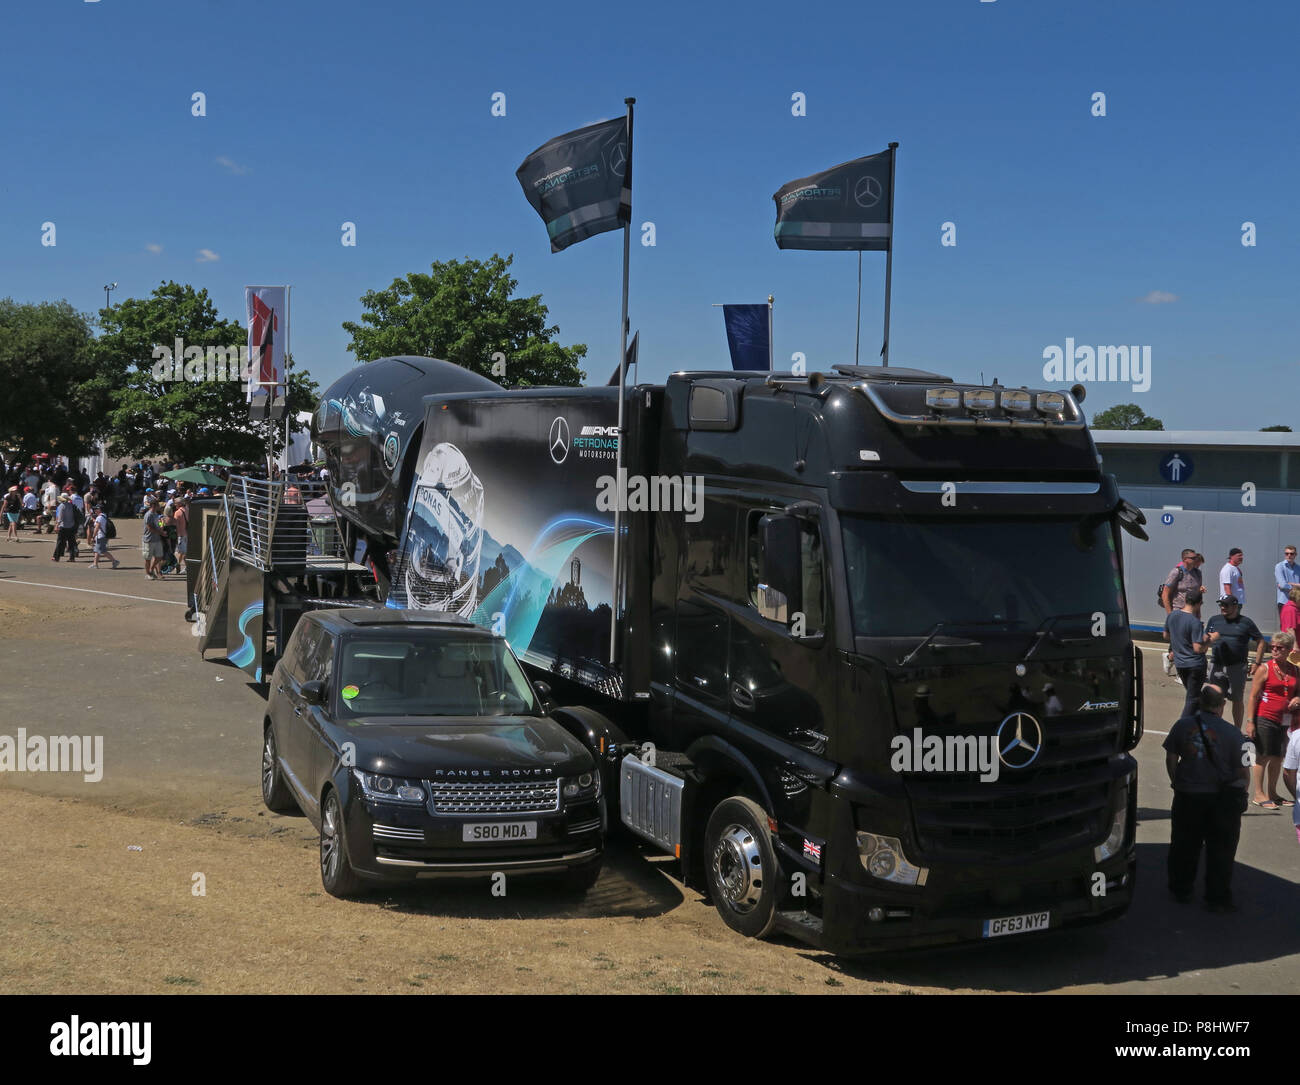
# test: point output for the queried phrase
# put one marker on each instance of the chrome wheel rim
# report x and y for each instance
(329, 839)
(738, 868)
(268, 764)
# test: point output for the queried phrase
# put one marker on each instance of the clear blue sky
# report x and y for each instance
(379, 113)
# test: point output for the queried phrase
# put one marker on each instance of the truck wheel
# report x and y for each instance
(742, 867)
(275, 789)
(336, 872)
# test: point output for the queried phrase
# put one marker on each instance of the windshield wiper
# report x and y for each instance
(934, 632)
(1044, 631)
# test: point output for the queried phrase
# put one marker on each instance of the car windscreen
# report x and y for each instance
(422, 675)
(906, 574)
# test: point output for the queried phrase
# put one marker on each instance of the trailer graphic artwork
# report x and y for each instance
(501, 532)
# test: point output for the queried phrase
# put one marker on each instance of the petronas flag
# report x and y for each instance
(581, 182)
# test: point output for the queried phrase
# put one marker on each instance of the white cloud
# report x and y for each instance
(207, 256)
(154, 247)
(1158, 297)
(232, 166)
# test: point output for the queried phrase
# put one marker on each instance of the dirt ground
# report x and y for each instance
(82, 910)
(99, 882)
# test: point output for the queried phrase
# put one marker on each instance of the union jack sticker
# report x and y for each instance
(812, 850)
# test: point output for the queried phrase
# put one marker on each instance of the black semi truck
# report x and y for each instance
(853, 647)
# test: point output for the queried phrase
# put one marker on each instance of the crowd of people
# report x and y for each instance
(1218, 769)
(45, 494)
(49, 495)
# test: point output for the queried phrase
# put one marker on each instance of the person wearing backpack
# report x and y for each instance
(102, 527)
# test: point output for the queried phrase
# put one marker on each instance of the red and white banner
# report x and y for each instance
(268, 331)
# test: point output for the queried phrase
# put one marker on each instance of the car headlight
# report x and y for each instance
(586, 786)
(882, 857)
(377, 787)
(1111, 845)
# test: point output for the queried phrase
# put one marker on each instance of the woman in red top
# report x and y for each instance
(1272, 708)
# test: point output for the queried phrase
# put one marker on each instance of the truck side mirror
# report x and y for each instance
(313, 692)
(1131, 519)
(781, 565)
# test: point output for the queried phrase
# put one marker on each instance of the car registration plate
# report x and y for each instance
(1016, 924)
(499, 830)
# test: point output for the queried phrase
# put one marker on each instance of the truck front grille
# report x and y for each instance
(1060, 803)
(530, 797)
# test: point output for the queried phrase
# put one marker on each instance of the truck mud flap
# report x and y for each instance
(650, 803)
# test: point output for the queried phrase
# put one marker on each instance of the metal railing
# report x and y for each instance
(271, 527)
(216, 554)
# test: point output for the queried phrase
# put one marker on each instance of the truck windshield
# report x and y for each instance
(905, 575)
(432, 676)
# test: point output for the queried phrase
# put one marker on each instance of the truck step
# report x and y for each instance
(800, 924)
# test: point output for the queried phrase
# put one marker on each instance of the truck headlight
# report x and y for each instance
(1111, 845)
(882, 857)
(586, 786)
(377, 787)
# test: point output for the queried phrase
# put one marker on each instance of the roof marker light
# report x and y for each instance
(942, 399)
(1017, 401)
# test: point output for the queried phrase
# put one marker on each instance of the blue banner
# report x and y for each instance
(748, 336)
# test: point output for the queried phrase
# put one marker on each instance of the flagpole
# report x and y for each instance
(857, 327)
(771, 349)
(889, 253)
(288, 305)
(622, 387)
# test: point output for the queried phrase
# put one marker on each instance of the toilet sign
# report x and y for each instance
(1176, 467)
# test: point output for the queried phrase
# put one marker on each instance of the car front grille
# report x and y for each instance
(530, 797)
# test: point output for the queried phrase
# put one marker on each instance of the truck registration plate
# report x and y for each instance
(499, 830)
(1016, 924)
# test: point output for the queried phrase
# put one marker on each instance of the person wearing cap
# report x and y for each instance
(1231, 582)
(101, 539)
(66, 520)
(12, 506)
(1231, 669)
(151, 543)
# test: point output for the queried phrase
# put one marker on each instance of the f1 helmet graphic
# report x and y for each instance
(447, 527)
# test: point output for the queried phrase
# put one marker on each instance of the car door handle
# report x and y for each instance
(741, 697)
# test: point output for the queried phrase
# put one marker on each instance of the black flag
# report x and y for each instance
(845, 207)
(581, 182)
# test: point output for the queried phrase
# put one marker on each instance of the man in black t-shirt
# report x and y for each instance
(1232, 669)
(1208, 769)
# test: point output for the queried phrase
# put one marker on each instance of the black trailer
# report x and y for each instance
(832, 601)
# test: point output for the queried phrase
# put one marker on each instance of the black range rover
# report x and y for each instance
(415, 743)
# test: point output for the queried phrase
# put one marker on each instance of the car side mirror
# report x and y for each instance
(543, 693)
(313, 692)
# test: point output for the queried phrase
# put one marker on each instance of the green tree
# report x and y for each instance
(47, 371)
(185, 418)
(1125, 416)
(463, 313)
(1274, 429)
